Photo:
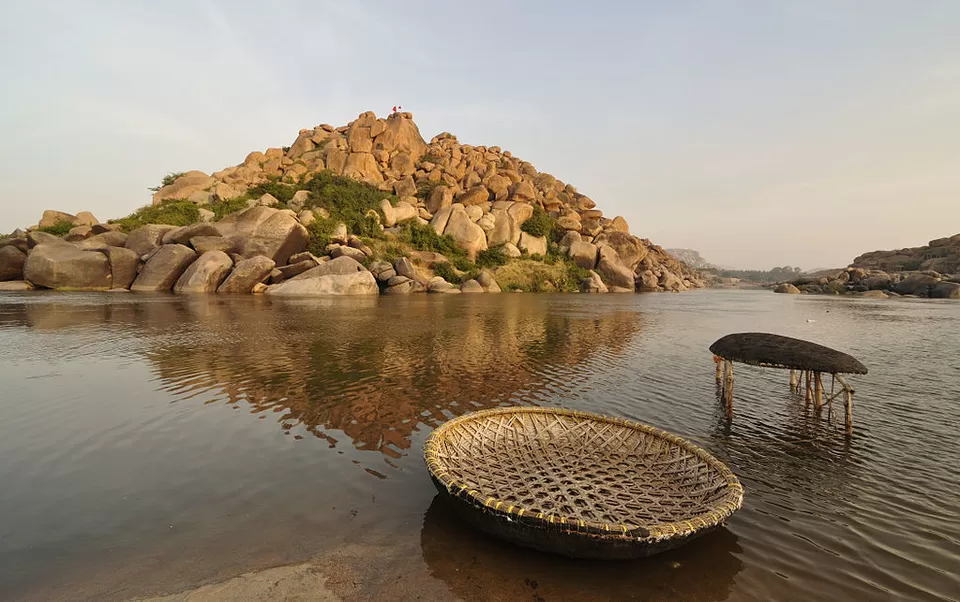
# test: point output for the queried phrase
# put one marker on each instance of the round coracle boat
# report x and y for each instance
(579, 484)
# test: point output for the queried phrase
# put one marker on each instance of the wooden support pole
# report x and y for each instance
(849, 410)
(728, 389)
(848, 403)
(793, 380)
(809, 386)
(719, 362)
(818, 390)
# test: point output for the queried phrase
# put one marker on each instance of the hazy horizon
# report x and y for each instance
(758, 134)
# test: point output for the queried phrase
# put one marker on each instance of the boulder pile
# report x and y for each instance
(876, 284)
(479, 196)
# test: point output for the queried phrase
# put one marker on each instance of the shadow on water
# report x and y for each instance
(478, 567)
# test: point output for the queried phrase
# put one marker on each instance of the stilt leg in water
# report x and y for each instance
(818, 393)
(849, 408)
(719, 364)
(809, 388)
(793, 380)
(728, 389)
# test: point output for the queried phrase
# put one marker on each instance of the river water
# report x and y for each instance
(149, 444)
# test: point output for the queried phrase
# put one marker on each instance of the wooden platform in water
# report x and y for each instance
(777, 351)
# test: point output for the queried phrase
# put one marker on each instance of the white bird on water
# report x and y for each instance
(809, 320)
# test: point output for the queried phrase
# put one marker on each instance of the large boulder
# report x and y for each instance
(593, 284)
(612, 271)
(205, 274)
(19, 242)
(265, 231)
(671, 282)
(182, 236)
(439, 197)
(363, 167)
(584, 254)
(65, 267)
(786, 287)
(184, 186)
(104, 240)
(534, 245)
(340, 276)
(473, 196)
(877, 281)
(124, 264)
(918, 284)
(647, 282)
(400, 135)
(393, 215)
(202, 244)
(629, 248)
(52, 217)
(945, 290)
(505, 229)
(467, 234)
(164, 268)
(42, 238)
(11, 263)
(247, 274)
(147, 238)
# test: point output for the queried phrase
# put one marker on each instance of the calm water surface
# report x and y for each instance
(151, 444)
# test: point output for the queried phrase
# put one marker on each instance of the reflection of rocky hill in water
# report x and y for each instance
(376, 371)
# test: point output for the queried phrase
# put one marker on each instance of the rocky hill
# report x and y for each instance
(932, 271)
(692, 258)
(364, 208)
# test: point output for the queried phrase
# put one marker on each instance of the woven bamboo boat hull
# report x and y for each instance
(578, 484)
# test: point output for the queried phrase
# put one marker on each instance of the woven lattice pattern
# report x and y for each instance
(582, 469)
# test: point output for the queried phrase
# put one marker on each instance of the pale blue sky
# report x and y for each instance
(760, 133)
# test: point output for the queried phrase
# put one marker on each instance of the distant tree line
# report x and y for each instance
(775, 275)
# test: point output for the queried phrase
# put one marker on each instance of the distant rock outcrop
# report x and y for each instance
(692, 258)
(940, 255)
(931, 272)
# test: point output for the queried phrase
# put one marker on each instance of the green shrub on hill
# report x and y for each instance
(424, 238)
(166, 181)
(539, 224)
(281, 192)
(172, 212)
(492, 257)
(221, 209)
(58, 229)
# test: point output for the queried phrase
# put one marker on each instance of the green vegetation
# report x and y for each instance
(167, 180)
(281, 192)
(221, 209)
(539, 224)
(172, 212)
(492, 257)
(429, 157)
(775, 275)
(58, 229)
(532, 276)
(451, 275)
(425, 187)
(425, 238)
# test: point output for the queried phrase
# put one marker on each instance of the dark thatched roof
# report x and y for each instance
(763, 349)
